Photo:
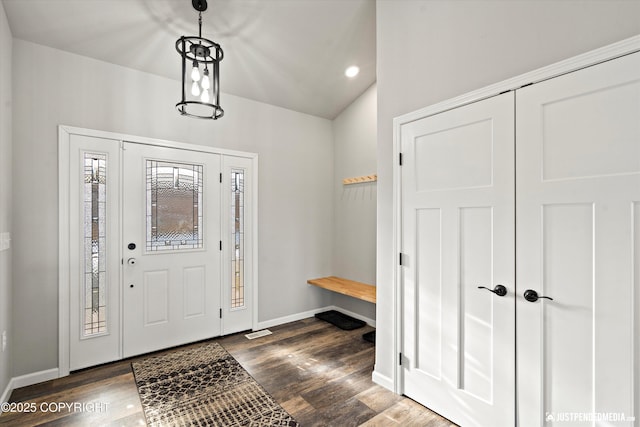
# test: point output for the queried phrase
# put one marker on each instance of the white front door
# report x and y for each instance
(458, 234)
(578, 228)
(171, 246)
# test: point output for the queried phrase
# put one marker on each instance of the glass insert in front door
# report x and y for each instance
(174, 206)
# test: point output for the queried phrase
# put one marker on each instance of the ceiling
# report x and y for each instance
(289, 53)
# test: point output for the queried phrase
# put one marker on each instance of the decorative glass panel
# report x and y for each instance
(174, 206)
(95, 212)
(237, 237)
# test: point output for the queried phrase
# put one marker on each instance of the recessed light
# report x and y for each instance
(352, 71)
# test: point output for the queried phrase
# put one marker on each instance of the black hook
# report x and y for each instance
(199, 5)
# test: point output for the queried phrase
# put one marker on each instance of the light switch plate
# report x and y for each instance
(5, 241)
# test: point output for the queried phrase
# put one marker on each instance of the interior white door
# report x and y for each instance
(94, 258)
(578, 228)
(171, 246)
(458, 234)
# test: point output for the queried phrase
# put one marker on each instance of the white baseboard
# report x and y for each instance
(291, 318)
(311, 313)
(382, 380)
(7, 392)
(29, 379)
(35, 378)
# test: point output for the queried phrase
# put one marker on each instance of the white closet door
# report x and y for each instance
(458, 234)
(578, 242)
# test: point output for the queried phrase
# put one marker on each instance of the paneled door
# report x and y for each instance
(171, 246)
(578, 228)
(458, 274)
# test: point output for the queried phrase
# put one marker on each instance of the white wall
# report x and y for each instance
(52, 87)
(354, 233)
(429, 51)
(5, 196)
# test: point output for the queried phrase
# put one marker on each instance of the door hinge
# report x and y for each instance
(400, 359)
(221, 313)
(400, 159)
(220, 244)
(221, 177)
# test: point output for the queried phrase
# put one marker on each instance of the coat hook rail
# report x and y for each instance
(360, 179)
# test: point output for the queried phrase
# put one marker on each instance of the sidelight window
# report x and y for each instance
(95, 205)
(237, 237)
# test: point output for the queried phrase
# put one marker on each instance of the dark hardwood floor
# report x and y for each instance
(320, 374)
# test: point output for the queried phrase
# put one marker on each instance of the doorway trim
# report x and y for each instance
(64, 179)
(594, 57)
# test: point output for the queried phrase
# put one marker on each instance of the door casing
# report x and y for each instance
(606, 53)
(64, 270)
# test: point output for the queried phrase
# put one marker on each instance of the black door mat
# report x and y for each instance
(340, 320)
(370, 336)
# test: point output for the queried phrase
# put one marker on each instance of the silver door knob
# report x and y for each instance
(131, 261)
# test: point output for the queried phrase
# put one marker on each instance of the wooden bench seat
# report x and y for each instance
(352, 288)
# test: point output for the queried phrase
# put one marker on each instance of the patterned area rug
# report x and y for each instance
(204, 386)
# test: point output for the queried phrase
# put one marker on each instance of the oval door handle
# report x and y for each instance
(131, 261)
(499, 290)
(532, 296)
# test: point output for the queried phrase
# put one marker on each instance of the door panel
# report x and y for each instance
(171, 208)
(568, 254)
(194, 291)
(428, 296)
(460, 157)
(477, 326)
(578, 182)
(155, 297)
(458, 210)
(566, 135)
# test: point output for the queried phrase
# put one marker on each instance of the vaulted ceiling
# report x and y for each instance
(289, 53)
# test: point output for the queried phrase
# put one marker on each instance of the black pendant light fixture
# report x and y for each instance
(200, 73)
